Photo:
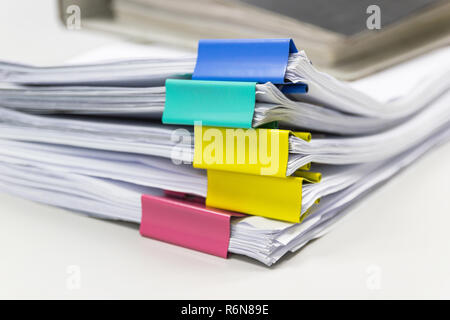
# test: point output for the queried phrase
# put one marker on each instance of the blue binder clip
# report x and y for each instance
(258, 60)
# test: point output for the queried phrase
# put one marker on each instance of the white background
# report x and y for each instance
(394, 244)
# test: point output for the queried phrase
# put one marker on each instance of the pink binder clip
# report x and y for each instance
(186, 223)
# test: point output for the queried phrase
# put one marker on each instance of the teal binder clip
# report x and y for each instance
(214, 103)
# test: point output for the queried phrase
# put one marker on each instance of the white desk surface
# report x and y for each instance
(394, 244)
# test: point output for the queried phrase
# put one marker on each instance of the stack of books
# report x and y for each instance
(245, 149)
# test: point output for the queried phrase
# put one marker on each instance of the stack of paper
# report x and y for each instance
(89, 138)
(135, 88)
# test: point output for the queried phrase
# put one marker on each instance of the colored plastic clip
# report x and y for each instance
(186, 223)
(251, 151)
(270, 197)
(213, 103)
(259, 60)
